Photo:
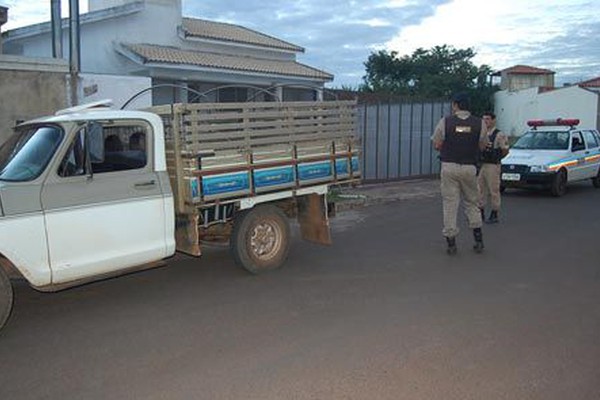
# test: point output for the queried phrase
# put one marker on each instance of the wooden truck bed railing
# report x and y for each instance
(220, 152)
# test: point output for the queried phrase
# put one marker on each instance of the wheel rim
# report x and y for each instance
(265, 240)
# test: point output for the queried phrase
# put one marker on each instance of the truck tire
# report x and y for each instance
(260, 240)
(6, 297)
(559, 184)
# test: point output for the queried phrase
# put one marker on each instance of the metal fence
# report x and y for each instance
(396, 139)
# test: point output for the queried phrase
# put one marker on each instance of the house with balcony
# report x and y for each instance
(184, 59)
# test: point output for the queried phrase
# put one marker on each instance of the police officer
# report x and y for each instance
(489, 174)
(459, 138)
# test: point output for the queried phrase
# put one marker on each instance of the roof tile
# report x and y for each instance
(171, 55)
(595, 82)
(524, 70)
(200, 28)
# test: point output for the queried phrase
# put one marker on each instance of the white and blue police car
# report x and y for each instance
(552, 154)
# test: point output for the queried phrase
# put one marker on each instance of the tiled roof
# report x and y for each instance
(590, 83)
(524, 70)
(199, 28)
(174, 56)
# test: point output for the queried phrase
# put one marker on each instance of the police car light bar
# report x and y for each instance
(553, 122)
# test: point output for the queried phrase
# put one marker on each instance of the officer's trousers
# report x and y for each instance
(458, 180)
(489, 185)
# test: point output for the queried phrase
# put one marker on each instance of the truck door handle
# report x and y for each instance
(145, 185)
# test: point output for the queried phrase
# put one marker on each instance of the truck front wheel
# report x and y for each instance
(6, 297)
(260, 239)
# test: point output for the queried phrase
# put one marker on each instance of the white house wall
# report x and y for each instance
(115, 87)
(156, 23)
(513, 109)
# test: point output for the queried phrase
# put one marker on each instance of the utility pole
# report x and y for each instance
(57, 49)
(74, 49)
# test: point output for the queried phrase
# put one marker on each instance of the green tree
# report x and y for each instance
(434, 73)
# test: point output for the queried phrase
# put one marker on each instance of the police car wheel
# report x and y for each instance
(596, 180)
(559, 184)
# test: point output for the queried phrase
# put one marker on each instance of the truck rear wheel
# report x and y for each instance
(261, 239)
(6, 297)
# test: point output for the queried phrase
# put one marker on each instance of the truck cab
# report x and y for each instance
(89, 191)
(552, 154)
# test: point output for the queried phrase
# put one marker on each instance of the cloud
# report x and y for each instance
(23, 13)
(338, 35)
(562, 37)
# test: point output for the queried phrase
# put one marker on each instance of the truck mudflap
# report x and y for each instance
(186, 234)
(313, 219)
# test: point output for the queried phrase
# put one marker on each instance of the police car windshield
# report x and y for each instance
(543, 140)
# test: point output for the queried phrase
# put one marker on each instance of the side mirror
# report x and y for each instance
(95, 142)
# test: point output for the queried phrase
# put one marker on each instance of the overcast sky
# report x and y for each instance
(339, 35)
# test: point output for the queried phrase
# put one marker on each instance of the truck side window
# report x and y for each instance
(125, 148)
(73, 164)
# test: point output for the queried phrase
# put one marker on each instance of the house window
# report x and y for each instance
(233, 95)
(298, 94)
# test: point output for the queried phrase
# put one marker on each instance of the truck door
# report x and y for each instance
(592, 156)
(109, 218)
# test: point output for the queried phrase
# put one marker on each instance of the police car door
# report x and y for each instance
(592, 154)
(577, 168)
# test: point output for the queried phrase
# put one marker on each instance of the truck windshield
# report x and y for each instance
(543, 140)
(24, 156)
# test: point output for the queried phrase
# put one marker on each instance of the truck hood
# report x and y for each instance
(534, 157)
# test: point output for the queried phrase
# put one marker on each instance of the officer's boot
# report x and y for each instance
(478, 236)
(451, 245)
(493, 217)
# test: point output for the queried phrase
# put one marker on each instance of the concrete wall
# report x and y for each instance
(525, 81)
(30, 88)
(513, 109)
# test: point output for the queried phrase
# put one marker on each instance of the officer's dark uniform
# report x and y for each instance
(459, 153)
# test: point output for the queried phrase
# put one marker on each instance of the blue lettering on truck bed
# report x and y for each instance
(274, 176)
(225, 183)
(316, 170)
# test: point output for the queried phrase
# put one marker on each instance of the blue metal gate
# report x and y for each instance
(396, 139)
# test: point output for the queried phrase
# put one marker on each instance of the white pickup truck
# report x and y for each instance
(93, 192)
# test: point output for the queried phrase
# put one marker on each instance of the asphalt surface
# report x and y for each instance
(382, 314)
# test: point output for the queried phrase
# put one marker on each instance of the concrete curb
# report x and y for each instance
(382, 193)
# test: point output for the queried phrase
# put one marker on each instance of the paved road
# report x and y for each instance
(383, 314)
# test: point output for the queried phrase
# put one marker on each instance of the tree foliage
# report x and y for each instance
(434, 73)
